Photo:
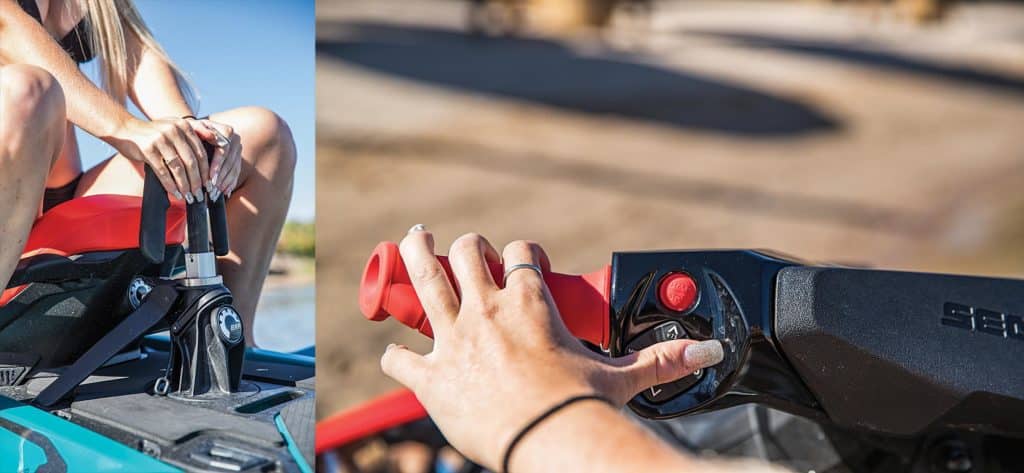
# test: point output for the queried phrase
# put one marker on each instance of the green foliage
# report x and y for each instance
(298, 239)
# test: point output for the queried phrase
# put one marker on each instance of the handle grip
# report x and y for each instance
(153, 221)
(219, 226)
(208, 222)
(218, 216)
(386, 291)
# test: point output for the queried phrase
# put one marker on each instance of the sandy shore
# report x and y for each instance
(289, 271)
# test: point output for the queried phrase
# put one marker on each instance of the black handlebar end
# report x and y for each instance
(219, 226)
(153, 222)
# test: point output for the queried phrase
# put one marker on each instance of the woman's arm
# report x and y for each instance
(154, 88)
(24, 41)
(152, 85)
(594, 437)
(168, 146)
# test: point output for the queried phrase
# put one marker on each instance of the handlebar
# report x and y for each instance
(803, 339)
(153, 222)
(206, 220)
(219, 226)
(386, 291)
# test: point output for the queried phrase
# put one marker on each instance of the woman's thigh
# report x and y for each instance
(115, 175)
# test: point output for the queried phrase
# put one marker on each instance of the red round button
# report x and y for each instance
(678, 292)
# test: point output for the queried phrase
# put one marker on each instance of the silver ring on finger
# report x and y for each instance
(509, 270)
(222, 141)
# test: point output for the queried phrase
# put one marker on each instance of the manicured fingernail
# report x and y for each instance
(704, 354)
(419, 227)
(213, 178)
(189, 198)
(214, 194)
(389, 347)
(177, 195)
(199, 196)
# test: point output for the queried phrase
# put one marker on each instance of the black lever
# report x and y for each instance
(153, 222)
(219, 226)
(208, 221)
(218, 219)
(198, 215)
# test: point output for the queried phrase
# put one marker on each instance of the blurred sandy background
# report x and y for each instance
(842, 133)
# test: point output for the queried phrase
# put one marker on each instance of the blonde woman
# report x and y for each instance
(43, 95)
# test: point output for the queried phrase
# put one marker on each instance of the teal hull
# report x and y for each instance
(33, 440)
(45, 439)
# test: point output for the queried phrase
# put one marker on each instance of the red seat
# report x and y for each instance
(94, 223)
(98, 223)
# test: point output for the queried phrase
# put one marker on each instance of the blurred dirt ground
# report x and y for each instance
(830, 133)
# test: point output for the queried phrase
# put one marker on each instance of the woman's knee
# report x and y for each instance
(30, 94)
(262, 129)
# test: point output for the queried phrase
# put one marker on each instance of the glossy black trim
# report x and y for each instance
(735, 304)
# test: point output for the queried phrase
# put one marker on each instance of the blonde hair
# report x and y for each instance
(107, 20)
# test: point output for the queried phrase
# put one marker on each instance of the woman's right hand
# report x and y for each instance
(502, 354)
(171, 148)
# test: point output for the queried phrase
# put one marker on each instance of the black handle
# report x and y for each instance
(218, 217)
(207, 220)
(219, 226)
(153, 222)
(197, 226)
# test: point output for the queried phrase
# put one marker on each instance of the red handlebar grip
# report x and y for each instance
(386, 290)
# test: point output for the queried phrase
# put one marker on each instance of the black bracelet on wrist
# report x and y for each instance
(557, 407)
(189, 117)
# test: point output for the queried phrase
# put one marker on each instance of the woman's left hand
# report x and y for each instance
(227, 158)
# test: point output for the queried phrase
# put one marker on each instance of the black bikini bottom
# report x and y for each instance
(54, 196)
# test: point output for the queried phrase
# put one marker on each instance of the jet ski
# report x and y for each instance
(826, 368)
(120, 350)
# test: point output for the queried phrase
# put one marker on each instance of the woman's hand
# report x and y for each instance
(227, 159)
(502, 356)
(171, 148)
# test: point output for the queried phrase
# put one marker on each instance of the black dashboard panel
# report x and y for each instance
(900, 352)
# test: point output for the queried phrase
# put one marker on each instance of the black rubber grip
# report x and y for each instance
(153, 222)
(218, 217)
(219, 226)
(198, 228)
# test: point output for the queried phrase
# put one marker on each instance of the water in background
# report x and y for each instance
(286, 317)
